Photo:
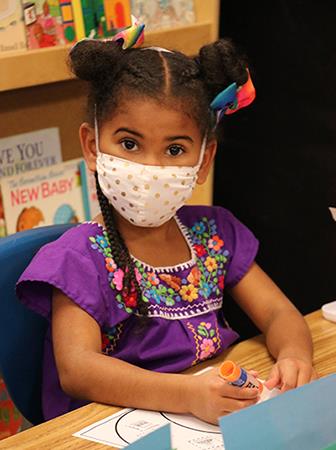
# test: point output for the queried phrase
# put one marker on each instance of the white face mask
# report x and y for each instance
(146, 196)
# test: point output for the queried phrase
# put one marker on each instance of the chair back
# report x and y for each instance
(22, 332)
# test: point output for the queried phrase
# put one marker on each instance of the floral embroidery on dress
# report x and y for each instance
(127, 302)
(110, 337)
(207, 340)
(212, 257)
(203, 281)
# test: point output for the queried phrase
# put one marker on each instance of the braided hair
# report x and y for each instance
(172, 78)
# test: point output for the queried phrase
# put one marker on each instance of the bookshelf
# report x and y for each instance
(37, 89)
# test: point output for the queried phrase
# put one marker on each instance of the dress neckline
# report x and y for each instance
(157, 269)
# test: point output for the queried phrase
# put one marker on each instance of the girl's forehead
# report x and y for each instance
(149, 114)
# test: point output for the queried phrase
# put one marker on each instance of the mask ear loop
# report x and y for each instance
(201, 156)
(96, 130)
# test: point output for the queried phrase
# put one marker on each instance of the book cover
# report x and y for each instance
(90, 200)
(163, 13)
(28, 151)
(2, 218)
(84, 18)
(78, 19)
(67, 20)
(47, 196)
(12, 28)
(44, 25)
(117, 14)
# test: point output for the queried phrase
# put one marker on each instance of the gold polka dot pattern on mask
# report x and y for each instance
(145, 195)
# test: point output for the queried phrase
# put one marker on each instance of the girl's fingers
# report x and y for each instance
(229, 405)
(274, 378)
(238, 393)
(304, 376)
(289, 376)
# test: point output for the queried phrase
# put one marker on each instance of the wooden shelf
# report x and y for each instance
(44, 66)
(38, 91)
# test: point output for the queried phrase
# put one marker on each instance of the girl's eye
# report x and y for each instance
(175, 150)
(129, 145)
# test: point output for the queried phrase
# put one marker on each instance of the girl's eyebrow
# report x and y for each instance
(128, 130)
(169, 138)
(174, 138)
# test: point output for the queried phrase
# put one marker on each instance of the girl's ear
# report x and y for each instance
(88, 143)
(208, 158)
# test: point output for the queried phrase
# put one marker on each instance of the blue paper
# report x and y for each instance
(303, 418)
(157, 440)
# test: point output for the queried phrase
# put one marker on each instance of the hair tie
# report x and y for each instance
(233, 98)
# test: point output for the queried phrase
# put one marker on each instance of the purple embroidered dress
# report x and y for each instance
(186, 322)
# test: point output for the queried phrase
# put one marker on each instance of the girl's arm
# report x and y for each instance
(287, 335)
(86, 373)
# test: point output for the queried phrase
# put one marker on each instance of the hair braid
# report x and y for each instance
(121, 254)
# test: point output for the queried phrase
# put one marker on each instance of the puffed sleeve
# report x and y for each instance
(241, 244)
(67, 269)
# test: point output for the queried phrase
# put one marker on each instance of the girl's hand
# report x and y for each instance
(209, 397)
(289, 373)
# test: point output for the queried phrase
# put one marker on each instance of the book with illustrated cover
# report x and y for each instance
(47, 196)
(157, 14)
(68, 20)
(28, 151)
(100, 18)
(90, 200)
(44, 25)
(117, 15)
(25, 152)
(12, 28)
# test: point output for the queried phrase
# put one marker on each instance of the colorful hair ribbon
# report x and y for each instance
(132, 36)
(233, 98)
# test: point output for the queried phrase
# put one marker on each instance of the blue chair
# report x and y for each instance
(22, 332)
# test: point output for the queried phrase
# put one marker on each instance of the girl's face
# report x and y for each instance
(145, 132)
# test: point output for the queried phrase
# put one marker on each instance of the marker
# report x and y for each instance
(238, 376)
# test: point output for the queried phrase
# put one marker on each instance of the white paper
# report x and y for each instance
(188, 432)
(128, 425)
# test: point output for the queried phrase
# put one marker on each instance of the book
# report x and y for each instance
(67, 21)
(12, 28)
(90, 200)
(25, 152)
(117, 15)
(84, 18)
(47, 196)
(28, 151)
(78, 19)
(43, 21)
(163, 13)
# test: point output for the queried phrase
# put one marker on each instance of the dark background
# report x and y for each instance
(276, 167)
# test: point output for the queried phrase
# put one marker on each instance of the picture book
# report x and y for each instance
(12, 29)
(47, 196)
(163, 13)
(2, 218)
(28, 151)
(100, 18)
(117, 14)
(68, 21)
(43, 21)
(25, 152)
(90, 200)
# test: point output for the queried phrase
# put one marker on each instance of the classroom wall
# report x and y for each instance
(276, 169)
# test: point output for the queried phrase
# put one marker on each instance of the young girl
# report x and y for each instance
(135, 297)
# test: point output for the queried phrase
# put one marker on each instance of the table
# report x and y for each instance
(251, 354)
